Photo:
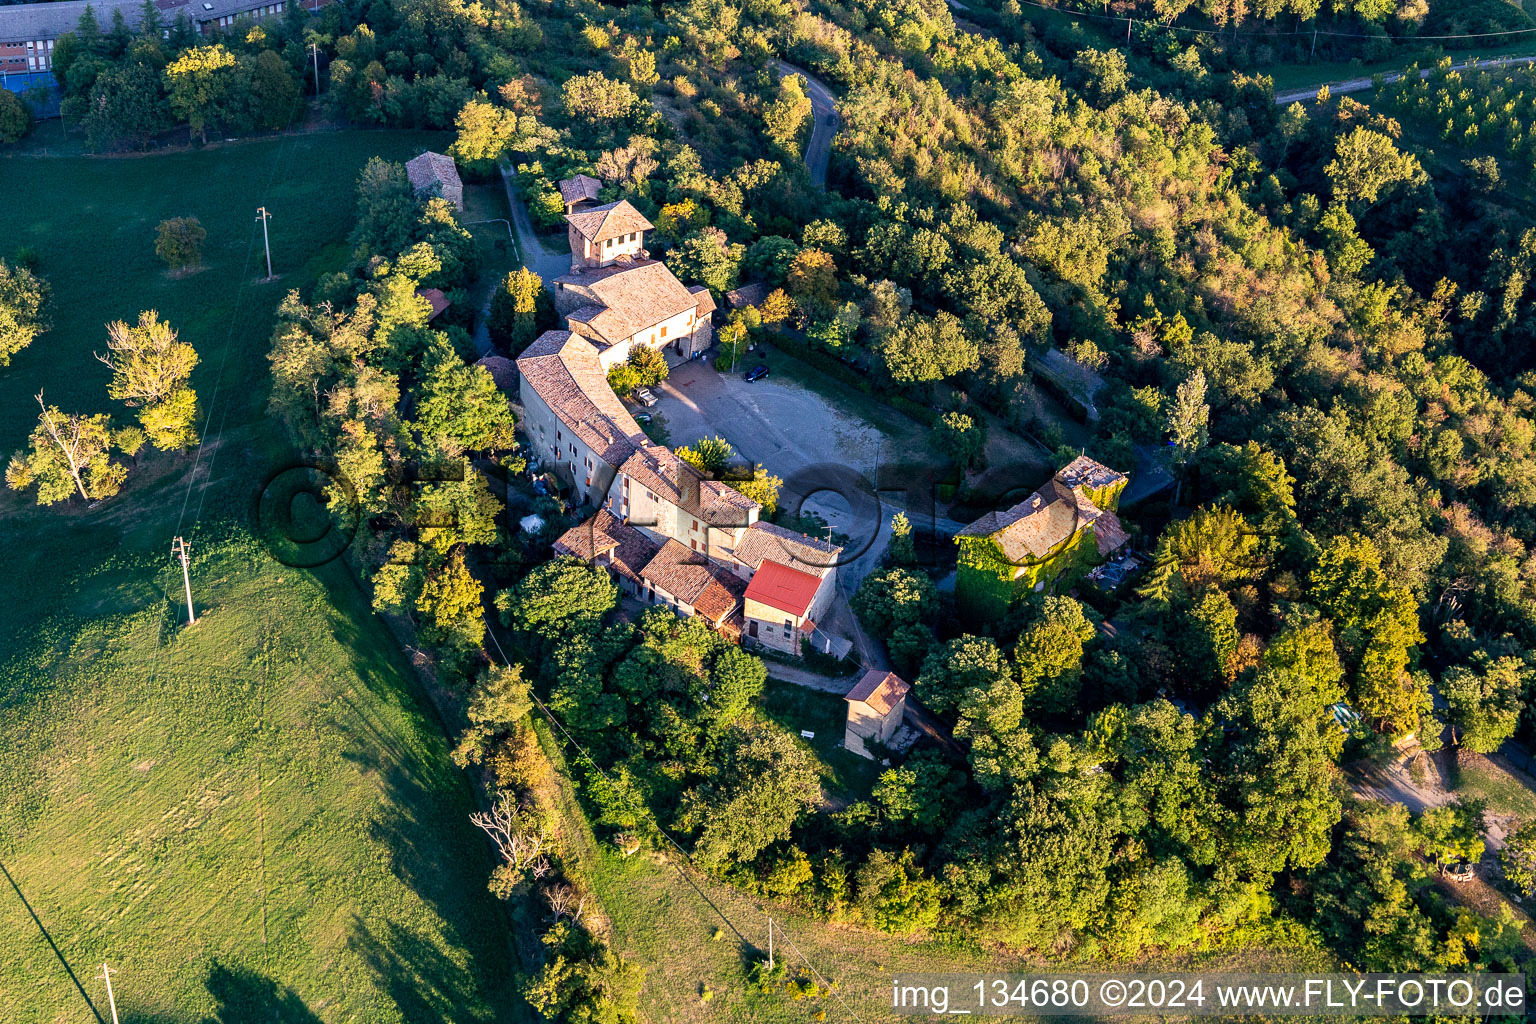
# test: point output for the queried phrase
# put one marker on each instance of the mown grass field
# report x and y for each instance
(696, 935)
(254, 819)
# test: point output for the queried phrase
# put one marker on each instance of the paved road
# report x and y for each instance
(548, 264)
(1365, 84)
(824, 108)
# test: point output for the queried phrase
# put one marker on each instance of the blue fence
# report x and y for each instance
(39, 88)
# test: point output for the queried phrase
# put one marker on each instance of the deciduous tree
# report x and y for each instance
(23, 309)
(179, 242)
(69, 454)
(151, 368)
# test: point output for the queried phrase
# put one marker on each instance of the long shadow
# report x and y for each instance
(421, 820)
(51, 944)
(424, 984)
(245, 997)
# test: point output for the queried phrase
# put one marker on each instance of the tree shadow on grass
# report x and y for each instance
(423, 983)
(245, 997)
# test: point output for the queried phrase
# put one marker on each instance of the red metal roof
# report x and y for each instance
(779, 586)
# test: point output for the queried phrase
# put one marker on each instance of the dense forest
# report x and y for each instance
(1318, 319)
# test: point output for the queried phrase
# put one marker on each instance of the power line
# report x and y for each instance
(674, 844)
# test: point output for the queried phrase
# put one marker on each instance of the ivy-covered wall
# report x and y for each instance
(985, 586)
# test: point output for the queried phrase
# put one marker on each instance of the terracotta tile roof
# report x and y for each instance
(778, 586)
(746, 295)
(712, 589)
(767, 542)
(656, 468)
(882, 691)
(430, 169)
(564, 371)
(436, 299)
(581, 188)
(1085, 472)
(600, 223)
(503, 371)
(631, 298)
(1035, 525)
(1110, 533)
(702, 299)
(604, 533)
(1045, 519)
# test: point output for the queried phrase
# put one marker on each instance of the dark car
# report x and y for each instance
(757, 372)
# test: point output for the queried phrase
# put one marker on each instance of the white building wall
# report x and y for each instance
(562, 452)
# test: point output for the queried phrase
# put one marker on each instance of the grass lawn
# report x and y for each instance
(1476, 777)
(255, 818)
(846, 776)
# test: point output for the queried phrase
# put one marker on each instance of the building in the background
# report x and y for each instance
(28, 32)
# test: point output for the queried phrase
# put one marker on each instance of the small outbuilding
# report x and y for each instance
(876, 705)
(436, 299)
(435, 174)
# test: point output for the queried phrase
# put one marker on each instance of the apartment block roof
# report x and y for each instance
(600, 223)
(564, 371)
(778, 586)
(51, 20)
(631, 297)
(628, 549)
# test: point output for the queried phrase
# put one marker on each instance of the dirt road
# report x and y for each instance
(1364, 84)
(824, 109)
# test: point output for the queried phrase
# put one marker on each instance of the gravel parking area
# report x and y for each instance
(772, 421)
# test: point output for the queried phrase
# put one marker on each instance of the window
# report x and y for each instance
(663, 332)
(694, 544)
(557, 435)
(695, 526)
(788, 626)
(608, 243)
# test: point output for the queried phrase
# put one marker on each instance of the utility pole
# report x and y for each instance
(180, 550)
(770, 944)
(263, 216)
(1127, 30)
(106, 973)
(314, 50)
(1314, 44)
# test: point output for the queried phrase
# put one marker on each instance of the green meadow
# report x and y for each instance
(254, 818)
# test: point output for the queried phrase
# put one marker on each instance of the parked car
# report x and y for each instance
(757, 372)
(642, 417)
(644, 397)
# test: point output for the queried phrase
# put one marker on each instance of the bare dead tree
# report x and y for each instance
(565, 900)
(518, 838)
